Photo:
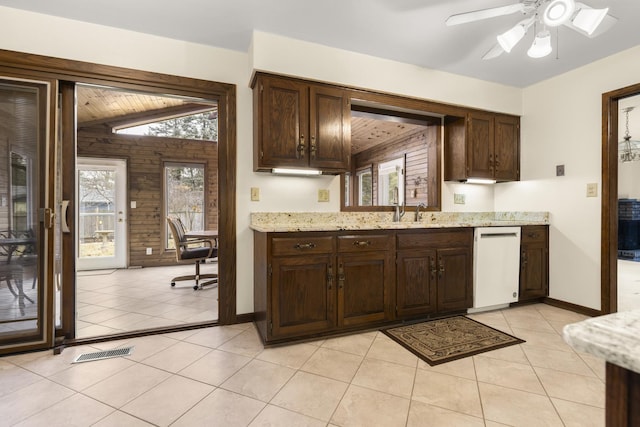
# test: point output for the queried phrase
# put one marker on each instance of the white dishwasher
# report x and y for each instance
(496, 267)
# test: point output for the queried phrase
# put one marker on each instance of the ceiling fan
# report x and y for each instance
(548, 13)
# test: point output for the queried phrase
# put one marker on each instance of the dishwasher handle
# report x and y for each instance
(494, 235)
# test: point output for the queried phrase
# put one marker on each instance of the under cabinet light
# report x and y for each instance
(480, 181)
(296, 172)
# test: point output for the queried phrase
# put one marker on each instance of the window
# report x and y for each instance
(391, 182)
(200, 126)
(184, 195)
(365, 195)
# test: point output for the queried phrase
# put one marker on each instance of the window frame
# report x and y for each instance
(165, 197)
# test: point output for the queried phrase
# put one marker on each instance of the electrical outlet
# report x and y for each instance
(458, 198)
(560, 170)
(149, 251)
(323, 195)
(255, 194)
(592, 190)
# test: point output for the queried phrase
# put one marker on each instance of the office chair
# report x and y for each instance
(192, 250)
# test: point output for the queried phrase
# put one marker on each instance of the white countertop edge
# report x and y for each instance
(613, 337)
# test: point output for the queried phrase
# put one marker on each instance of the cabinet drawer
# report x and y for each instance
(301, 245)
(362, 243)
(435, 238)
(534, 234)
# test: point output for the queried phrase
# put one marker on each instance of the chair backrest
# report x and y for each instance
(177, 232)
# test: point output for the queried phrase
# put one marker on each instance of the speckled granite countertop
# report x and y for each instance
(332, 221)
(613, 337)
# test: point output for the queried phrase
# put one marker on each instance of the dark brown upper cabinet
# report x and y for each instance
(299, 124)
(482, 145)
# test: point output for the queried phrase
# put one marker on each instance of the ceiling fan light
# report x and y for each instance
(588, 19)
(558, 12)
(541, 46)
(510, 38)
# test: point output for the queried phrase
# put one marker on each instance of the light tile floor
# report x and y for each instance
(113, 301)
(222, 376)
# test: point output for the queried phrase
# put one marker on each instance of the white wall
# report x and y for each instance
(562, 124)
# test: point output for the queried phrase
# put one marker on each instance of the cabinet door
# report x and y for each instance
(507, 148)
(303, 295)
(534, 262)
(363, 291)
(283, 118)
(416, 289)
(455, 285)
(480, 135)
(330, 129)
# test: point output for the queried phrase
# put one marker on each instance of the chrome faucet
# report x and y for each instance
(397, 213)
(418, 216)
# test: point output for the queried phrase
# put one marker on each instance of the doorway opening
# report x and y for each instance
(142, 157)
(611, 107)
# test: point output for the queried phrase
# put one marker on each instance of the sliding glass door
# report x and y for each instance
(26, 214)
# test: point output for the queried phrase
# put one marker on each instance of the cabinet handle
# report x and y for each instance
(497, 162)
(340, 276)
(313, 147)
(434, 270)
(532, 235)
(301, 246)
(330, 277)
(524, 259)
(441, 270)
(301, 147)
(361, 243)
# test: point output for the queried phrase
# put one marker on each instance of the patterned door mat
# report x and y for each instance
(443, 340)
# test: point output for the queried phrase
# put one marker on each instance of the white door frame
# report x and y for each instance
(120, 237)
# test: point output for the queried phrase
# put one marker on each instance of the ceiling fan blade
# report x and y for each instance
(494, 52)
(477, 15)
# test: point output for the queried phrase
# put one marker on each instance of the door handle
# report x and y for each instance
(64, 209)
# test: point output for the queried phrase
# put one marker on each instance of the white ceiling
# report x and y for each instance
(410, 31)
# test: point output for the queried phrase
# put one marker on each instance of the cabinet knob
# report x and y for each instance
(361, 243)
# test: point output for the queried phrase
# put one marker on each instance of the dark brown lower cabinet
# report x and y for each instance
(315, 283)
(622, 397)
(534, 262)
(302, 296)
(434, 271)
(365, 278)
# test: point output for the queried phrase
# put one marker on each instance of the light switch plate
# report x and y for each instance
(458, 199)
(323, 195)
(560, 170)
(255, 194)
(592, 190)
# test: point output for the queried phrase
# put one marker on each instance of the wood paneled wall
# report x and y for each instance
(145, 160)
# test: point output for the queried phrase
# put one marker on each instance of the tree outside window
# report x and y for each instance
(184, 195)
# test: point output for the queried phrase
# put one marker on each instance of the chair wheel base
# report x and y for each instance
(196, 287)
(173, 284)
